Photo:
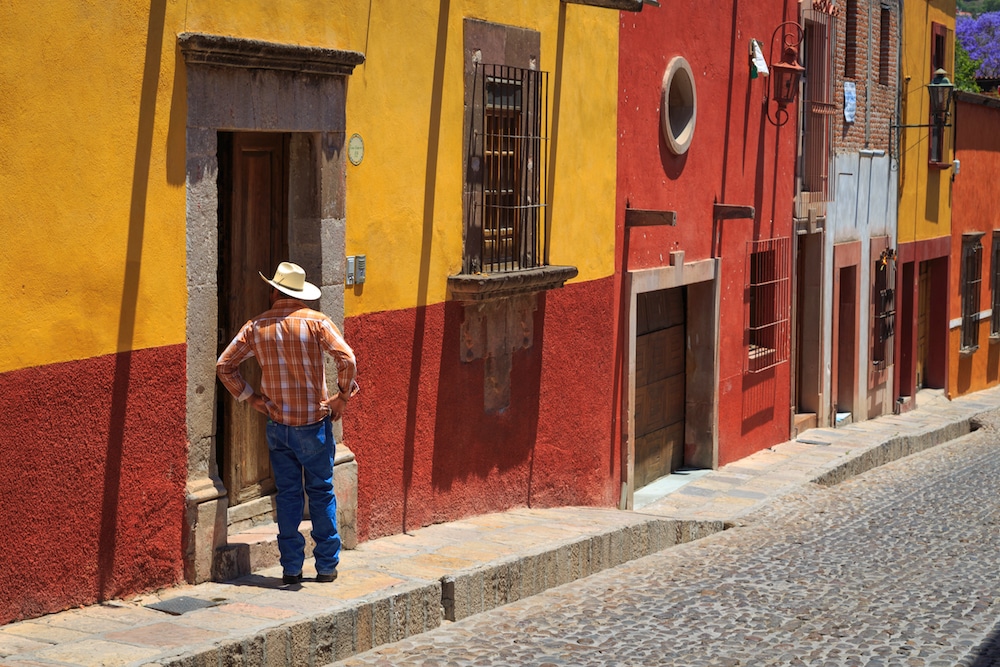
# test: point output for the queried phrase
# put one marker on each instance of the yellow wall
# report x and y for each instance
(404, 201)
(92, 117)
(925, 192)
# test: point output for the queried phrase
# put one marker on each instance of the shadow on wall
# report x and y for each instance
(469, 441)
(993, 364)
(964, 381)
(758, 399)
(423, 276)
(107, 546)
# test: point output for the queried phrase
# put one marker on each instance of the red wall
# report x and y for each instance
(977, 147)
(94, 463)
(427, 451)
(736, 157)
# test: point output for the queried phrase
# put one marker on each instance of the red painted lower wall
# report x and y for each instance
(94, 463)
(427, 450)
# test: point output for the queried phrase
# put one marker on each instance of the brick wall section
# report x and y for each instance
(879, 100)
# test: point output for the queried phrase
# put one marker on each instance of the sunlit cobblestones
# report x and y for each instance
(899, 567)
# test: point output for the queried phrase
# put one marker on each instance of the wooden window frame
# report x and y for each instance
(851, 39)
(971, 287)
(995, 287)
(884, 45)
(937, 129)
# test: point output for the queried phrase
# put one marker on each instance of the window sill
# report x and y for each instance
(484, 286)
(968, 351)
(939, 165)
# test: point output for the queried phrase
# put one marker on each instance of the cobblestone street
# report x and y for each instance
(900, 566)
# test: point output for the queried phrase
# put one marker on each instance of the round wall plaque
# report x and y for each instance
(355, 149)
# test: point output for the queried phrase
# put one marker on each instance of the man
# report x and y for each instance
(288, 342)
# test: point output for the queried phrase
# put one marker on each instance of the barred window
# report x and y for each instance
(995, 286)
(819, 107)
(972, 278)
(884, 302)
(506, 230)
(884, 45)
(851, 40)
(768, 290)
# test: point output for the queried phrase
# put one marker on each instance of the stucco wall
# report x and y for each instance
(925, 195)
(977, 147)
(736, 157)
(93, 185)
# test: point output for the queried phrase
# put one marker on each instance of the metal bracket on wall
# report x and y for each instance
(733, 212)
(637, 217)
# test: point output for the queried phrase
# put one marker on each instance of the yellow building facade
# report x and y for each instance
(923, 149)
(130, 132)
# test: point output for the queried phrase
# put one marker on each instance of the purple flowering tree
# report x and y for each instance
(981, 39)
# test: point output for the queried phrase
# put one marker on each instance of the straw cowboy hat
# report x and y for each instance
(291, 280)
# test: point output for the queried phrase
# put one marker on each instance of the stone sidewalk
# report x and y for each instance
(398, 586)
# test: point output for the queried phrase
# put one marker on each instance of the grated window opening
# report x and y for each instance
(972, 278)
(768, 296)
(509, 209)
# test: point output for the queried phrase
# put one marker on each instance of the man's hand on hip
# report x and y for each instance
(335, 406)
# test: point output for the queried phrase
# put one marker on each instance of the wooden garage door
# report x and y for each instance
(659, 384)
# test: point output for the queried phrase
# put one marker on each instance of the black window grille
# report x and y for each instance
(995, 286)
(884, 301)
(884, 45)
(768, 289)
(972, 278)
(818, 106)
(507, 167)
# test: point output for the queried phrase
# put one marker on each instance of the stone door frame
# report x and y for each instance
(701, 438)
(243, 85)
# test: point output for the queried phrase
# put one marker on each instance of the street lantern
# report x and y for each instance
(787, 72)
(941, 90)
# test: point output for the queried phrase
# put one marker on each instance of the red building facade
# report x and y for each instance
(706, 169)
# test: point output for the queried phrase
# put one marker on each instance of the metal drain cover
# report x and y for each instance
(182, 605)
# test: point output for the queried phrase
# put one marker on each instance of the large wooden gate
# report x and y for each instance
(659, 384)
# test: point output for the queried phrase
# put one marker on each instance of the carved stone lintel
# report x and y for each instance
(222, 51)
(485, 286)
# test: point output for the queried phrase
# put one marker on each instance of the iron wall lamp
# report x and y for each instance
(940, 90)
(787, 72)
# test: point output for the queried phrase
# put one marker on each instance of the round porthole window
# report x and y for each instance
(679, 107)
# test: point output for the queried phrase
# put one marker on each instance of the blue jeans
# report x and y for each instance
(309, 449)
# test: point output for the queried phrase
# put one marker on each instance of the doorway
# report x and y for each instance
(659, 384)
(846, 364)
(809, 332)
(253, 236)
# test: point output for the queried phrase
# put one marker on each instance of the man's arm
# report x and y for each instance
(228, 365)
(334, 344)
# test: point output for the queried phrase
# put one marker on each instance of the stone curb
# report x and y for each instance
(334, 635)
(478, 589)
(327, 636)
(894, 448)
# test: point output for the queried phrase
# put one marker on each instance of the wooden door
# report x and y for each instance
(923, 321)
(659, 384)
(253, 205)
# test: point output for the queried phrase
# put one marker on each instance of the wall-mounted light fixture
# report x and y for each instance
(940, 90)
(787, 72)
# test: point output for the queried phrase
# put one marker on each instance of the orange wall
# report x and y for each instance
(974, 209)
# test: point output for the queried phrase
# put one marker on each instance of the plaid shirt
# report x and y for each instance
(288, 341)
